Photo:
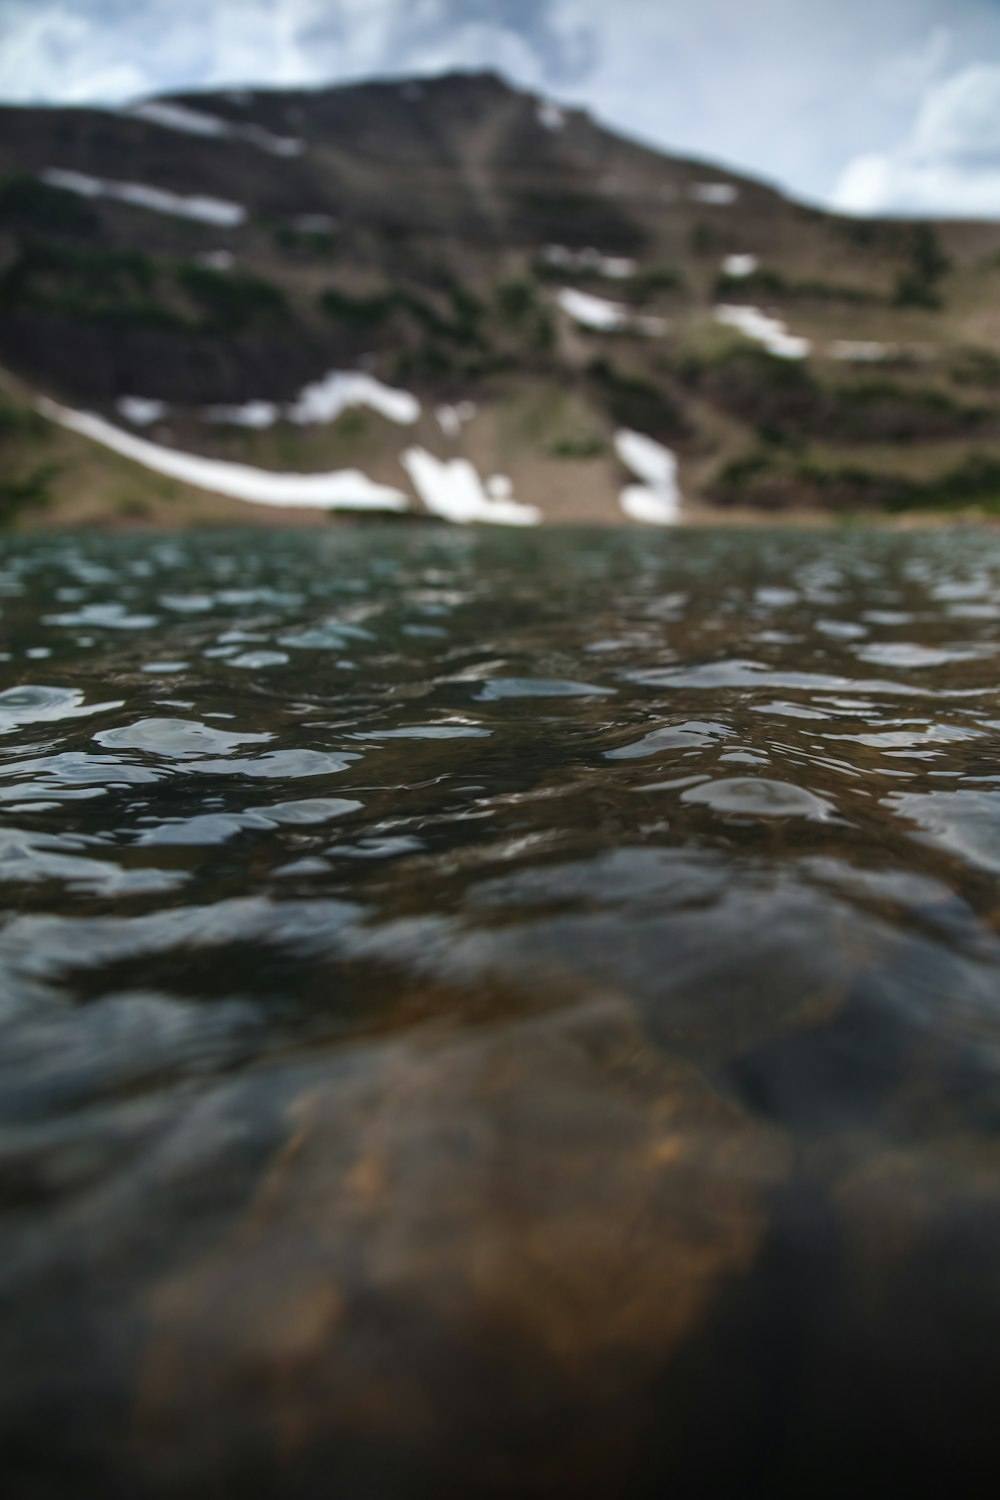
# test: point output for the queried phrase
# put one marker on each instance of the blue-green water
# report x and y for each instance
(498, 1015)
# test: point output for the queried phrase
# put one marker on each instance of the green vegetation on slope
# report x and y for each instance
(784, 400)
(775, 480)
(230, 301)
(919, 284)
(125, 287)
(28, 204)
(462, 334)
(634, 401)
(96, 284)
(767, 285)
(25, 483)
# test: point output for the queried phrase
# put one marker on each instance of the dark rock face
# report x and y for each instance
(411, 189)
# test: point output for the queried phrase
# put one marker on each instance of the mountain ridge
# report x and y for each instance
(468, 244)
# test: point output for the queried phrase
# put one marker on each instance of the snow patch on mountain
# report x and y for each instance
(451, 419)
(138, 195)
(607, 317)
(764, 329)
(614, 267)
(719, 194)
(345, 489)
(550, 115)
(453, 490)
(198, 122)
(141, 411)
(739, 265)
(257, 414)
(216, 260)
(656, 501)
(324, 400)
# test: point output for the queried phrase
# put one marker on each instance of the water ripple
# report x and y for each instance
(413, 938)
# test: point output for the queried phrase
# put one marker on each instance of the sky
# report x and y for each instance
(868, 106)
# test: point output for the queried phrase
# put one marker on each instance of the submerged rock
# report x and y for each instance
(458, 1263)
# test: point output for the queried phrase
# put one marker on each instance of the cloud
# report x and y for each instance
(106, 51)
(948, 164)
(961, 117)
(50, 52)
(885, 185)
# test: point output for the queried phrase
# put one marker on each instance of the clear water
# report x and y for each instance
(498, 1014)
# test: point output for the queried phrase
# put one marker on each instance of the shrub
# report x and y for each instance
(423, 313)
(30, 490)
(912, 291)
(468, 312)
(773, 481)
(312, 242)
(760, 283)
(780, 395)
(784, 402)
(469, 308)
(928, 259)
(22, 485)
(869, 234)
(653, 282)
(743, 471)
(516, 301)
(230, 300)
(880, 411)
(97, 273)
(918, 285)
(97, 285)
(976, 480)
(133, 507)
(27, 202)
(542, 333)
(370, 313)
(20, 423)
(357, 312)
(705, 240)
(522, 314)
(430, 361)
(766, 284)
(578, 448)
(634, 401)
(769, 479)
(576, 219)
(979, 367)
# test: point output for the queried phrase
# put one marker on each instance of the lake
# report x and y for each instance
(498, 1014)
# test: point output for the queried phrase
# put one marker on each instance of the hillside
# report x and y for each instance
(214, 296)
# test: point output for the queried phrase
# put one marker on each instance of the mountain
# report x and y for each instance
(308, 298)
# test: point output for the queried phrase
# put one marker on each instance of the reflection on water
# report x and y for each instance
(498, 1015)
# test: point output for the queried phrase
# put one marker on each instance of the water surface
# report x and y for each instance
(498, 1014)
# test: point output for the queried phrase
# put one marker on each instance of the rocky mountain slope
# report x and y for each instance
(452, 297)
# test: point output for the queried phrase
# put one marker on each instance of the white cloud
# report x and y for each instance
(886, 185)
(52, 53)
(948, 164)
(118, 81)
(961, 117)
(107, 51)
